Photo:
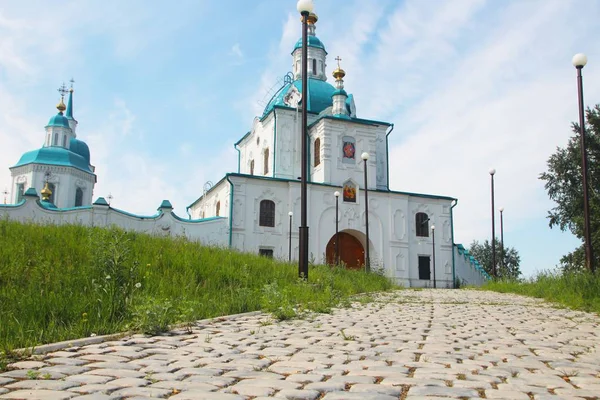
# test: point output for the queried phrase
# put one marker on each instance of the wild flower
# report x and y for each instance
(107, 277)
(138, 285)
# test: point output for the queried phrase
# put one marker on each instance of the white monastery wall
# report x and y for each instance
(212, 232)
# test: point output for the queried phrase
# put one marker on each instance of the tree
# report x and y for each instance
(564, 186)
(509, 269)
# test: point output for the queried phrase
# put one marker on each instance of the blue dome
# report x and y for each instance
(313, 41)
(79, 147)
(59, 120)
(55, 156)
(319, 95)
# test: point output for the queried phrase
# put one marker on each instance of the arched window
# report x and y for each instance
(251, 167)
(317, 151)
(267, 213)
(55, 139)
(218, 208)
(314, 66)
(65, 141)
(52, 188)
(266, 162)
(78, 197)
(422, 224)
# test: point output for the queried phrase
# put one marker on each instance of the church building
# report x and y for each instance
(257, 209)
(61, 167)
(262, 200)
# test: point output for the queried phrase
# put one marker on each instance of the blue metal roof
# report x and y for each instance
(58, 120)
(319, 95)
(55, 156)
(70, 105)
(81, 148)
(313, 41)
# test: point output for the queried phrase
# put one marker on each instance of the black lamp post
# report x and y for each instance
(579, 61)
(492, 172)
(291, 214)
(433, 251)
(365, 157)
(337, 232)
(501, 209)
(305, 7)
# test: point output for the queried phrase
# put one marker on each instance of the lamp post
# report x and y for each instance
(433, 251)
(291, 214)
(304, 7)
(5, 193)
(492, 173)
(337, 233)
(501, 209)
(579, 61)
(110, 197)
(365, 157)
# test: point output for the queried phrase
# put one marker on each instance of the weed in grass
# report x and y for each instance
(347, 337)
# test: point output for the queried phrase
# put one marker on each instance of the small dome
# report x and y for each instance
(58, 120)
(313, 41)
(339, 73)
(80, 148)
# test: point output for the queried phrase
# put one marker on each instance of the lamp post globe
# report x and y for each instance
(364, 156)
(492, 171)
(304, 6)
(579, 60)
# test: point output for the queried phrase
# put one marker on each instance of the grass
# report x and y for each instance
(64, 282)
(576, 290)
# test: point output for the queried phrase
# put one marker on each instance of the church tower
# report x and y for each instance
(62, 166)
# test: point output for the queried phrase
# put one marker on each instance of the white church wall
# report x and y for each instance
(165, 223)
(468, 272)
(394, 246)
(66, 180)
(216, 198)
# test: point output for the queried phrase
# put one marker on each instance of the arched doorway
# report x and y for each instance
(352, 252)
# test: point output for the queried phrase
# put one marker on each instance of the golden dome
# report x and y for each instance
(311, 20)
(46, 193)
(339, 73)
(61, 105)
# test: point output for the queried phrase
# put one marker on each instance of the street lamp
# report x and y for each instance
(365, 157)
(304, 7)
(433, 251)
(492, 172)
(501, 209)
(579, 61)
(5, 193)
(291, 214)
(337, 233)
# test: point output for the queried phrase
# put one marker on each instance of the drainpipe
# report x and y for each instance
(187, 210)
(274, 140)
(230, 210)
(452, 236)
(387, 156)
(239, 155)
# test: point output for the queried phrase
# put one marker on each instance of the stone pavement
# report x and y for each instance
(411, 344)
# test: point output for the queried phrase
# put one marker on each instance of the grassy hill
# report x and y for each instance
(65, 282)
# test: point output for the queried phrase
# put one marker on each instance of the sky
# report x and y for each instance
(162, 94)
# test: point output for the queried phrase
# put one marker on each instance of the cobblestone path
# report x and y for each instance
(427, 344)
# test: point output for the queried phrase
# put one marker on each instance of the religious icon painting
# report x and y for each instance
(349, 193)
(349, 150)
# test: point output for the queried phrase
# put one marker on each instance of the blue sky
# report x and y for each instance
(162, 93)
